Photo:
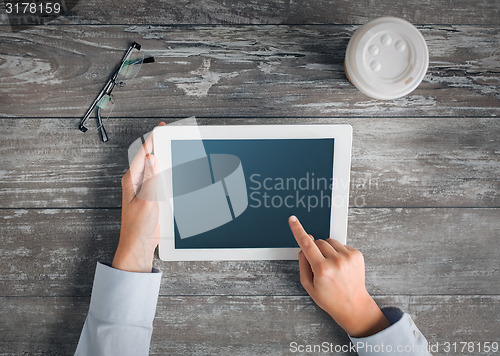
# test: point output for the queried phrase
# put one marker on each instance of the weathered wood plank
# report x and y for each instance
(258, 325)
(184, 325)
(267, 325)
(244, 71)
(242, 325)
(279, 12)
(396, 162)
(4, 22)
(407, 251)
(474, 319)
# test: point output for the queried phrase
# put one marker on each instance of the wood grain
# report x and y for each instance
(425, 170)
(457, 319)
(53, 252)
(396, 162)
(267, 325)
(250, 325)
(279, 12)
(243, 71)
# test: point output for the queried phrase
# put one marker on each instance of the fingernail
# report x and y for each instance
(293, 218)
(150, 160)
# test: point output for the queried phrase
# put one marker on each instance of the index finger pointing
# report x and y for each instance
(306, 243)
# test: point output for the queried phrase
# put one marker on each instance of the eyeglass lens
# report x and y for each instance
(130, 67)
(106, 105)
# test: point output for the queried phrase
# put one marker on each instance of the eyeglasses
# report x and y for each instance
(128, 69)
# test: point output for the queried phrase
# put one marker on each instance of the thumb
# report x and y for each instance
(150, 180)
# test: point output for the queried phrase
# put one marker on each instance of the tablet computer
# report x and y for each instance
(226, 192)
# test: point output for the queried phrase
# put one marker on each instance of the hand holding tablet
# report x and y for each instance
(140, 232)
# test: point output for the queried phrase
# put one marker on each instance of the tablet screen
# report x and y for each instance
(275, 178)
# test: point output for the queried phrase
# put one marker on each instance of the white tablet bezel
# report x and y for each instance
(162, 137)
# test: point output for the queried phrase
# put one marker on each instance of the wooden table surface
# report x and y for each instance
(424, 204)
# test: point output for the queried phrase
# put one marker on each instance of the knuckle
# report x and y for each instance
(319, 242)
(346, 262)
(323, 270)
(342, 263)
(307, 242)
(306, 284)
(355, 255)
(145, 203)
(125, 178)
(356, 252)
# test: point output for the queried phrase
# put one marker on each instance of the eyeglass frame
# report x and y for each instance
(106, 90)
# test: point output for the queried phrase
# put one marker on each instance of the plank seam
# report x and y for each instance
(259, 295)
(252, 117)
(244, 25)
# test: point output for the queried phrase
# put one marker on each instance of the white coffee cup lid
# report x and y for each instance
(386, 58)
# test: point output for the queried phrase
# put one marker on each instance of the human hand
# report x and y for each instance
(140, 231)
(334, 276)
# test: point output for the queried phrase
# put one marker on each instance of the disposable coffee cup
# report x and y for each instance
(386, 58)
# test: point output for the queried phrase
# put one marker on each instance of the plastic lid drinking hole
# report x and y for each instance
(386, 58)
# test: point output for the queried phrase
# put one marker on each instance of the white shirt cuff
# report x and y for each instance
(401, 338)
(124, 297)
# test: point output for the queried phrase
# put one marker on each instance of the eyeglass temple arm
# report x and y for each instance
(102, 131)
(110, 84)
